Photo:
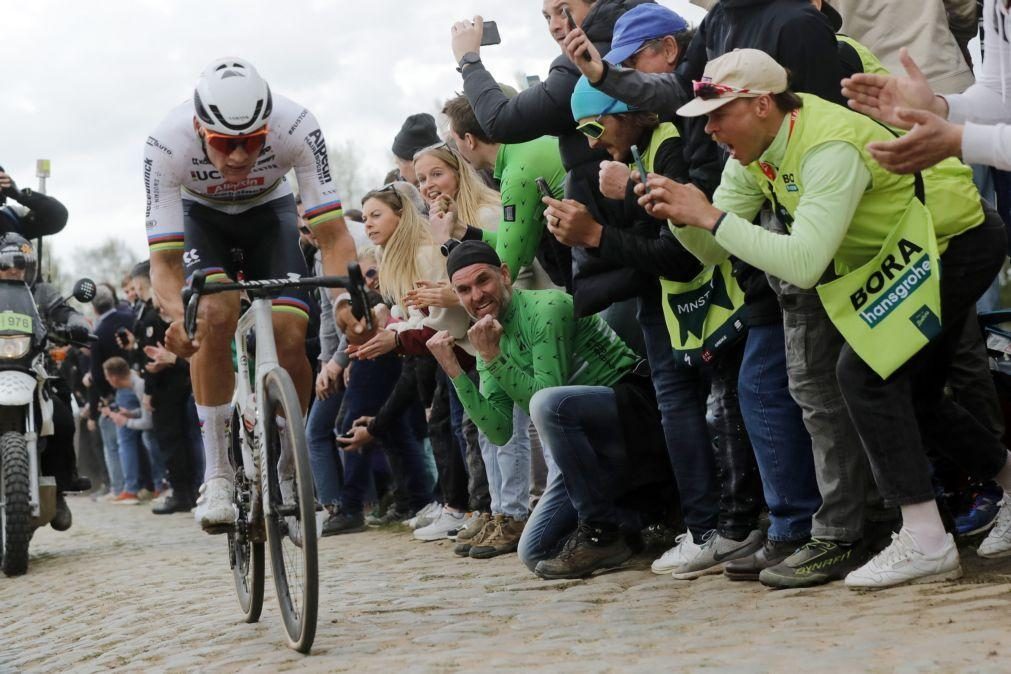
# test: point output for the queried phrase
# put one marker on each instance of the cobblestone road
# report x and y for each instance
(124, 590)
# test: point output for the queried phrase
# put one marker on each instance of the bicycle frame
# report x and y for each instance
(258, 319)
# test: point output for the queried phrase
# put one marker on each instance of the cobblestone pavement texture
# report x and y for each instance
(125, 590)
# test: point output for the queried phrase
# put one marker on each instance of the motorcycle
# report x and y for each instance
(27, 497)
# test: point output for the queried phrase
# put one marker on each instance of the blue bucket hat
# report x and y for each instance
(590, 102)
(638, 26)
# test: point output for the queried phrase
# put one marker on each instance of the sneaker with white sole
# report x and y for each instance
(684, 548)
(425, 516)
(446, 521)
(715, 551)
(998, 542)
(215, 510)
(903, 562)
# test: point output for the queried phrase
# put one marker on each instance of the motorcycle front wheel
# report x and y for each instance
(16, 511)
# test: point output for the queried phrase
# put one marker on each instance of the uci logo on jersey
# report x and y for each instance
(788, 180)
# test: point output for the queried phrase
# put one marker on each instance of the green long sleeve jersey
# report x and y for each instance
(517, 168)
(542, 345)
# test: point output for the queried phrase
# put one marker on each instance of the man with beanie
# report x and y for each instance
(587, 393)
(417, 132)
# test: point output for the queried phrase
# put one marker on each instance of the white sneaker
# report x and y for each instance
(998, 542)
(467, 519)
(425, 516)
(684, 548)
(214, 505)
(903, 562)
(440, 528)
(715, 551)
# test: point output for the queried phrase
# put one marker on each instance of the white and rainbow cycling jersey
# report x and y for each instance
(176, 168)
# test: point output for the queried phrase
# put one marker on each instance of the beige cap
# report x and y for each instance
(747, 73)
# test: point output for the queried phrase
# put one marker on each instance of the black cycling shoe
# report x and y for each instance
(175, 503)
(63, 518)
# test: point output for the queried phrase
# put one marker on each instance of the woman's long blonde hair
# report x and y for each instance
(398, 259)
(472, 194)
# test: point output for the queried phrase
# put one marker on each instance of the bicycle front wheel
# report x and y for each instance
(291, 524)
(245, 543)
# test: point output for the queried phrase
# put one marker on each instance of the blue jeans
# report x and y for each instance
(780, 440)
(129, 442)
(370, 385)
(323, 457)
(156, 458)
(110, 447)
(681, 396)
(508, 468)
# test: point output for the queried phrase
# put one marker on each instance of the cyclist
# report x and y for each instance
(218, 201)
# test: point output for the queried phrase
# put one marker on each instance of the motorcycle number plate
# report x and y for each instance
(15, 322)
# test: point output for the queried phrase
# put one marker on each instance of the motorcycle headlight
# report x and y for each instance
(15, 347)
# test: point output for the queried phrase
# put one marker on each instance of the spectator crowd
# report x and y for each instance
(681, 297)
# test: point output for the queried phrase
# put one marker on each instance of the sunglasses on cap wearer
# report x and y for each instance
(252, 143)
(710, 90)
(594, 129)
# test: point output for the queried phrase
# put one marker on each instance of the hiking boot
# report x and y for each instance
(62, 519)
(715, 551)
(502, 538)
(175, 502)
(471, 534)
(998, 542)
(340, 522)
(904, 562)
(589, 548)
(771, 554)
(815, 563)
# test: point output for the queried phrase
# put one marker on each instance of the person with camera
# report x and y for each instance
(19, 263)
(34, 215)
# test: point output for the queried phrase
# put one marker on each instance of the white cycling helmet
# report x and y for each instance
(231, 98)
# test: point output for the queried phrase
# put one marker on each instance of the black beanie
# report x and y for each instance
(417, 132)
(471, 252)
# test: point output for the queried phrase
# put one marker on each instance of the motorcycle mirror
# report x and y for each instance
(84, 290)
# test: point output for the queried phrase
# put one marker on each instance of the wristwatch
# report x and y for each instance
(469, 59)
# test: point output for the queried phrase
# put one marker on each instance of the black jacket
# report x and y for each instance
(105, 348)
(545, 109)
(635, 248)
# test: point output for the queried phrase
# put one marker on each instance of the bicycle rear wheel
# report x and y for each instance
(291, 524)
(245, 543)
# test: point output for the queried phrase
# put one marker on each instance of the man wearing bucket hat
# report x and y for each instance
(871, 241)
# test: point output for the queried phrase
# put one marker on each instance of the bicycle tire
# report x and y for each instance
(16, 514)
(299, 604)
(245, 544)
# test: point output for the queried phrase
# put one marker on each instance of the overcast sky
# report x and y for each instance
(85, 83)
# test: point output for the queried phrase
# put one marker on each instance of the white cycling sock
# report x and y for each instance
(214, 431)
(1003, 478)
(923, 522)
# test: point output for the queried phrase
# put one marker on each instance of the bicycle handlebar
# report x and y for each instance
(354, 283)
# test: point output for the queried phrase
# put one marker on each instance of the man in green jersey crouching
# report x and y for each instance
(587, 393)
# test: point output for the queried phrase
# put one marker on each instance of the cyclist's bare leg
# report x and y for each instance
(213, 378)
